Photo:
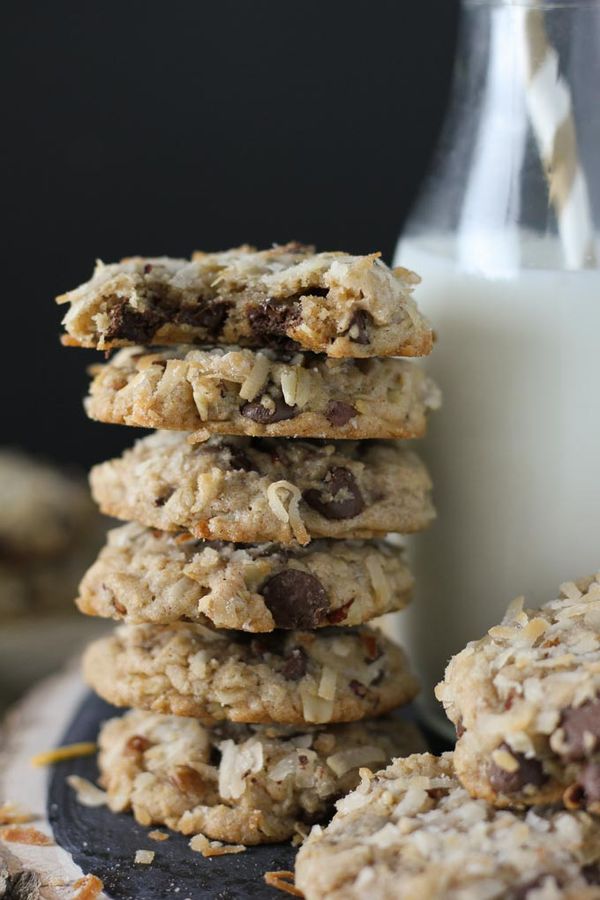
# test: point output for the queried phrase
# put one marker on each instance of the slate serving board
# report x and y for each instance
(104, 844)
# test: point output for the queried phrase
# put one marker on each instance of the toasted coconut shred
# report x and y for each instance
(60, 754)
(283, 880)
(18, 834)
(88, 888)
(11, 814)
(290, 515)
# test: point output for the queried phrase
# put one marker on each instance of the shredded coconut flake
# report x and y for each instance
(87, 793)
(257, 377)
(290, 515)
(144, 857)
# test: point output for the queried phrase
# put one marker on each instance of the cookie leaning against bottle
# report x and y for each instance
(525, 700)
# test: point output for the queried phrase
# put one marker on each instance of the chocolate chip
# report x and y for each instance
(359, 689)
(591, 873)
(208, 314)
(255, 411)
(129, 324)
(589, 779)
(358, 330)
(270, 320)
(238, 459)
(522, 891)
(577, 722)
(340, 498)
(295, 665)
(460, 728)
(339, 413)
(148, 268)
(164, 497)
(295, 599)
(137, 743)
(529, 771)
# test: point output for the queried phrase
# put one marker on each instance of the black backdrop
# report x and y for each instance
(162, 127)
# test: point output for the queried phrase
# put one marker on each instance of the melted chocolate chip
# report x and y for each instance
(591, 873)
(238, 459)
(359, 689)
(295, 599)
(208, 314)
(129, 324)
(460, 729)
(255, 411)
(522, 891)
(160, 501)
(529, 771)
(358, 330)
(339, 413)
(340, 498)
(589, 779)
(270, 321)
(576, 723)
(295, 665)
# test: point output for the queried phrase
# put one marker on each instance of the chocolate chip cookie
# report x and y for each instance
(148, 576)
(294, 677)
(272, 393)
(526, 704)
(412, 831)
(259, 489)
(239, 783)
(290, 296)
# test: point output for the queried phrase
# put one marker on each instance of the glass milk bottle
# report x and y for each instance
(504, 235)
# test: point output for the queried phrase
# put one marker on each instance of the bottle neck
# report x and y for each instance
(518, 153)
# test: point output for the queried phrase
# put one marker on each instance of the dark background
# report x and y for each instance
(151, 128)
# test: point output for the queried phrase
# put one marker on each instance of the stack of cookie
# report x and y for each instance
(251, 564)
(513, 812)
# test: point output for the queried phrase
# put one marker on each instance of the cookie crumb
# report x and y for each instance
(201, 844)
(11, 814)
(158, 836)
(87, 793)
(144, 857)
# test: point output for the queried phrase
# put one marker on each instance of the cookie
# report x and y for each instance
(261, 489)
(49, 532)
(412, 831)
(42, 510)
(332, 675)
(266, 393)
(289, 296)
(148, 576)
(526, 704)
(239, 783)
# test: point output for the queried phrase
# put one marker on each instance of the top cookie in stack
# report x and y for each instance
(294, 340)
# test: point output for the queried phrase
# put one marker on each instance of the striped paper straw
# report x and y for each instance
(550, 110)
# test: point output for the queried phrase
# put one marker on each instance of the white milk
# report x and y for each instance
(514, 452)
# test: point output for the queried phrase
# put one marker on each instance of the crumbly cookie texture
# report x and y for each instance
(412, 831)
(330, 303)
(156, 577)
(262, 393)
(262, 489)
(333, 675)
(42, 510)
(526, 704)
(239, 783)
